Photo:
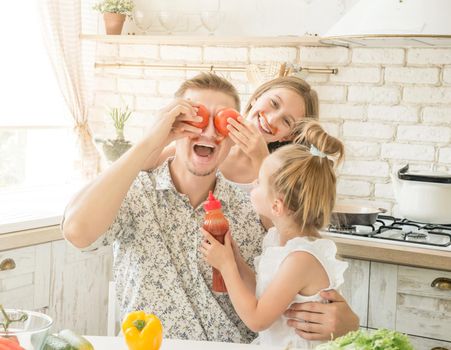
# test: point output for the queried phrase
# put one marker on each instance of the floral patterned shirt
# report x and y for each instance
(157, 264)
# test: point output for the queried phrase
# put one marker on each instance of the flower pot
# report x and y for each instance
(113, 149)
(113, 23)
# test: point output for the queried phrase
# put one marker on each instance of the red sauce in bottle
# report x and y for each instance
(216, 223)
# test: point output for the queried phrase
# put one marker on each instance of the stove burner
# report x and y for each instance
(415, 235)
(395, 229)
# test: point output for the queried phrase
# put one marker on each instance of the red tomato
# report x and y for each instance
(10, 343)
(221, 120)
(205, 114)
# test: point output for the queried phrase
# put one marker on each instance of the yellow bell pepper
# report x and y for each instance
(142, 331)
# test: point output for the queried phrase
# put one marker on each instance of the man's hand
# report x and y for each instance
(318, 321)
(171, 122)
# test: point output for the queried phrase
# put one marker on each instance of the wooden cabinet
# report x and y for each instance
(56, 278)
(355, 288)
(25, 277)
(402, 298)
(79, 288)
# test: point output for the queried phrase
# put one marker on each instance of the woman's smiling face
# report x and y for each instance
(275, 113)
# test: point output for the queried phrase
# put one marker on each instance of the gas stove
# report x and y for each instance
(399, 231)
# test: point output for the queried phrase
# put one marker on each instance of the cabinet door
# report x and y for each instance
(25, 277)
(79, 289)
(428, 344)
(382, 295)
(355, 287)
(422, 309)
(403, 299)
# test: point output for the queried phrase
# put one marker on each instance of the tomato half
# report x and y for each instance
(205, 114)
(221, 120)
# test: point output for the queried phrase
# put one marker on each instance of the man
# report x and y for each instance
(153, 220)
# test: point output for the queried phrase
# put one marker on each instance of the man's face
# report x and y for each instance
(204, 153)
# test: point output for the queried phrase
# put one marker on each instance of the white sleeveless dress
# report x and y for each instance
(267, 265)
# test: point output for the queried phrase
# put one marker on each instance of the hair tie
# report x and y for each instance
(316, 152)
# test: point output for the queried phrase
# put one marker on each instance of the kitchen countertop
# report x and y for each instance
(347, 247)
(117, 343)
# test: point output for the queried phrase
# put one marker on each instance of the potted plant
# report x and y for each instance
(114, 148)
(114, 14)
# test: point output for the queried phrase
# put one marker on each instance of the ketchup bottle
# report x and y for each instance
(217, 225)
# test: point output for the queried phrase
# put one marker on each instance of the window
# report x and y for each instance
(37, 146)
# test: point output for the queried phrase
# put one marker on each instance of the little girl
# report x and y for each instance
(296, 189)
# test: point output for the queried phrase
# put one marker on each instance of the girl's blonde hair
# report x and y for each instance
(307, 182)
(209, 81)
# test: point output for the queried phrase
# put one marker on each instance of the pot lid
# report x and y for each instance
(434, 177)
(393, 23)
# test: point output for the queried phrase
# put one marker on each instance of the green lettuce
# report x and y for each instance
(382, 339)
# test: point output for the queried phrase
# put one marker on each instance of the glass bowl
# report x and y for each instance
(30, 333)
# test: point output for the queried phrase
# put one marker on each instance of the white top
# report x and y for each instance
(245, 187)
(267, 266)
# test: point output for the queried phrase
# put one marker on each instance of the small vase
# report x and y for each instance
(113, 23)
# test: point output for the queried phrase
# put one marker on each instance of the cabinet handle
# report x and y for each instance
(442, 283)
(7, 264)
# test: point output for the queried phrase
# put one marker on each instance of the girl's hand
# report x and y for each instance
(171, 121)
(218, 255)
(249, 139)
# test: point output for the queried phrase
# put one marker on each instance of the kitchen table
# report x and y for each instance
(117, 343)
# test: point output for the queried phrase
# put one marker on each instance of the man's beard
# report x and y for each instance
(196, 173)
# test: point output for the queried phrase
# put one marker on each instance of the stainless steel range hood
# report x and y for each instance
(393, 23)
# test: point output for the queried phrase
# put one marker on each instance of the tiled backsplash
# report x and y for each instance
(390, 106)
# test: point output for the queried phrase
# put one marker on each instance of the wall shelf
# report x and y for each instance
(198, 40)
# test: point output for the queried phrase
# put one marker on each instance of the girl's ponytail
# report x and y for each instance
(306, 180)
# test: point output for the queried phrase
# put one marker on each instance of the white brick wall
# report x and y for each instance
(398, 114)
(374, 94)
(437, 115)
(427, 95)
(322, 55)
(389, 106)
(354, 188)
(407, 152)
(423, 133)
(225, 54)
(365, 168)
(342, 111)
(265, 54)
(411, 75)
(367, 130)
(330, 93)
(378, 56)
(181, 53)
(428, 56)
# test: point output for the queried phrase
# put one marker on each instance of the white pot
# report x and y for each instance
(423, 197)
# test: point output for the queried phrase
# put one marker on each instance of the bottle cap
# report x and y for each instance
(212, 203)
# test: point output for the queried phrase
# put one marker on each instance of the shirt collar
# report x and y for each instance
(163, 179)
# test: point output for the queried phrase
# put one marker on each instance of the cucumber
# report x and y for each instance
(52, 342)
(75, 340)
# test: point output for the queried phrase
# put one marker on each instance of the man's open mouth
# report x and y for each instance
(204, 149)
(264, 125)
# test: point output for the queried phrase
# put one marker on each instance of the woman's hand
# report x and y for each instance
(171, 121)
(249, 139)
(318, 321)
(216, 254)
